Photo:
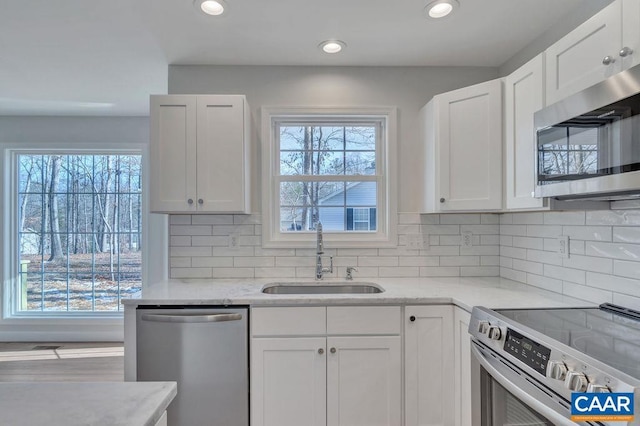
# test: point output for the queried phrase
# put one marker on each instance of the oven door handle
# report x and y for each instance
(539, 407)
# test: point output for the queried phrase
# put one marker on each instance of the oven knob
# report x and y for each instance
(483, 327)
(576, 381)
(556, 370)
(495, 333)
(592, 387)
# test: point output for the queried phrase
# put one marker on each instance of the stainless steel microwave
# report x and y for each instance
(588, 145)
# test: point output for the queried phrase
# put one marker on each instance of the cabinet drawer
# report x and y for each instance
(288, 321)
(363, 320)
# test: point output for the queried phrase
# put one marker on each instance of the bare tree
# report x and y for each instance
(54, 225)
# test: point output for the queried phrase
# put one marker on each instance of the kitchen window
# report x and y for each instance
(329, 165)
(76, 240)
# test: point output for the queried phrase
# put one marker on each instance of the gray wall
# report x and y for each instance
(559, 29)
(408, 88)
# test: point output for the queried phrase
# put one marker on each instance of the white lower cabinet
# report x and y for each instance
(305, 373)
(162, 421)
(429, 365)
(462, 369)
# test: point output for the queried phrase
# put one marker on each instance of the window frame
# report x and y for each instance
(385, 234)
(10, 247)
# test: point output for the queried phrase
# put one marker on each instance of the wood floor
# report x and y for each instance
(56, 362)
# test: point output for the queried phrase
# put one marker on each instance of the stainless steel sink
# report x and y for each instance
(324, 288)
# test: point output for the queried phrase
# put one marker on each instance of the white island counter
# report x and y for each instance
(75, 404)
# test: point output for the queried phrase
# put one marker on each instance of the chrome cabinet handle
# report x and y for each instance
(190, 201)
(625, 51)
(191, 318)
(320, 351)
(608, 60)
(200, 201)
(332, 350)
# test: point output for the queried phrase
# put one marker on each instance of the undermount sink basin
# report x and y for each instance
(324, 288)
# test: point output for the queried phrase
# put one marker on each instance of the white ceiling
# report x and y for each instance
(79, 57)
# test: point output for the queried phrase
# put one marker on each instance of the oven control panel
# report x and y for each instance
(528, 351)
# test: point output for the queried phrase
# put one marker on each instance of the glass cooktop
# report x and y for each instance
(610, 334)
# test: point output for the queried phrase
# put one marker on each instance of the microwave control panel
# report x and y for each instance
(528, 351)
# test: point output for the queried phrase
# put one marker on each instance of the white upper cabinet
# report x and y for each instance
(524, 95)
(463, 134)
(200, 154)
(604, 45)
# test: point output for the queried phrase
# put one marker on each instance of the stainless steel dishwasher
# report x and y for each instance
(205, 350)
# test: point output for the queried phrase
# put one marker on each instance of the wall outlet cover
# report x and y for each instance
(466, 239)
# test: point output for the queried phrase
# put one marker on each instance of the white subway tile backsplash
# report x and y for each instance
(544, 257)
(481, 229)
(212, 262)
(527, 266)
(588, 263)
(480, 251)
(377, 261)
(588, 233)
(613, 283)
(357, 252)
(191, 273)
(275, 272)
(295, 261)
(506, 219)
(440, 229)
(232, 251)
(189, 230)
(544, 231)
(565, 274)
(614, 217)
(418, 261)
(429, 219)
(254, 262)
(233, 272)
(490, 260)
(232, 229)
(490, 219)
(210, 219)
(210, 241)
(180, 241)
(459, 219)
(506, 262)
(459, 260)
(409, 219)
(251, 219)
(506, 240)
(627, 269)
(179, 251)
(490, 240)
(520, 230)
(626, 234)
(440, 271)
(528, 219)
(391, 272)
(513, 252)
(613, 250)
(479, 271)
(345, 261)
(594, 295)
(564, 218)
(514, 275)
(180, 262)
(180, 219)
(528, 242)
(543, 282)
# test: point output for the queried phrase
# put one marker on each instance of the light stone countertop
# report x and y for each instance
(465, 292)
(75, 404)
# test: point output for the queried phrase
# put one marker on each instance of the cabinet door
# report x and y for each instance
(469, 141)
(462, 367)
(631, 32)
(288, 381)
(364, 381)
(173, 153)
(429, 365)
(222, 154)
(524, 94)
(575, 62)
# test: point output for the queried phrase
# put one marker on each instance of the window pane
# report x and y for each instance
(361, 138)
(360, 163)
(361, 194)
(79, 229)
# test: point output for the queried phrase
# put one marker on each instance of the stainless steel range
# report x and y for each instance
(526, 363)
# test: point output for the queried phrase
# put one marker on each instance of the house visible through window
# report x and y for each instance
(78, 231)
(326, 171)
(333, 166)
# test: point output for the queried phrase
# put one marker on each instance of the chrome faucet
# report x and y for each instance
(319, 252)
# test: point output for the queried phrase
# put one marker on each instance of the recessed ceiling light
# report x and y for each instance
(440, 8)
(211, 7)
(332, 46)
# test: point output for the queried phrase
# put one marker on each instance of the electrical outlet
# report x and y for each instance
(233, 240)
(563, 246)
(466, 239)
(417, 241)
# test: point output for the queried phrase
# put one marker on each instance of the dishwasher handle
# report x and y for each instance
(186, 318)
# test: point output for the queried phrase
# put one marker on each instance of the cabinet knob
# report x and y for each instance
(190, 201)
(332, 350)
(200, 201)
(625, 51)
(608, 60)
(320, 351)
(442, 200)
(412, 318)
